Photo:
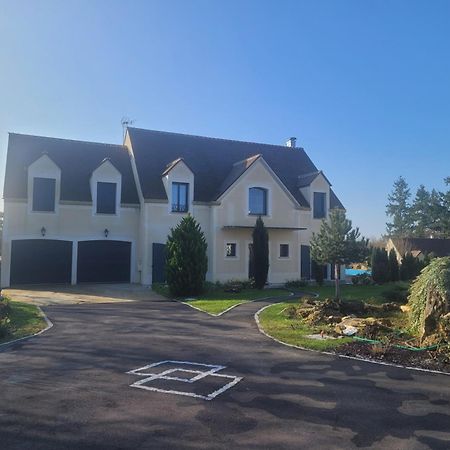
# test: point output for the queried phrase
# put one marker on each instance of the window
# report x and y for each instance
(257, 201)
(44, 194)
(284, 250)
(106, 198)
(231, 250)
(180, 197)
(319, 205)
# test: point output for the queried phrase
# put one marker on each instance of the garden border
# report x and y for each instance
(355, 358)
(23, 338)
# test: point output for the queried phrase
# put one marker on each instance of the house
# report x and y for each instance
(419, 247)
(89, 212)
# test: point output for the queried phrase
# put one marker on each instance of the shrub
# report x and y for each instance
(5, 329)
(394, 269)
(295, 284)
(429, 297)
(380, 265)
(317, 272)
(396, 293)
(363, 278)
(187, 262)
(410, 267)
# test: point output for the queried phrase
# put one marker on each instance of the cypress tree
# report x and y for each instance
(260, 253)
(394, 269)
(186, 262)
(380, 265)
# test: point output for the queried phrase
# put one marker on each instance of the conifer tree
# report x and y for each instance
(421, 212)
(260, 253)
(380, 265)
(338, 243)
(398, 208)
(186, 262)
(394, 268)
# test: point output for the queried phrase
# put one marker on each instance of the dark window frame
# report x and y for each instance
(265, 199)
(284, 247)
(320, 213)
(108, 207)
(231, 245)
(178, 207)
(40, 204)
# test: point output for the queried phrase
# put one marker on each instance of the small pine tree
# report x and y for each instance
(186, 262)
(394, 269)
(338, 243)
(260, 253)
(380, 265)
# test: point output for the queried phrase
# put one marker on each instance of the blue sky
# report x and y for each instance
(364, 85)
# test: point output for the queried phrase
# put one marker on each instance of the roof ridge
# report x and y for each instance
(107, 144)
(309, 173)
(219, 139)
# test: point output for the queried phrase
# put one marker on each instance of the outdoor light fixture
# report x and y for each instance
(106, 232)
(43, 231)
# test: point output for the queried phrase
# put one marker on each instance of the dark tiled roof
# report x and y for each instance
(213, 162)
(439, 247)
(76, 159)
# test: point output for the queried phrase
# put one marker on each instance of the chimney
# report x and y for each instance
(291, 142)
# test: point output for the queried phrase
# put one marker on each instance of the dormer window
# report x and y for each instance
(106, 198)
(319, 205)
(180, 197)
(257, 201)
(44, 190)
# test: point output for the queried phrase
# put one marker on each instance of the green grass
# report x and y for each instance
(216, 300)
(294, 331)
(25, 319)
(370, 294)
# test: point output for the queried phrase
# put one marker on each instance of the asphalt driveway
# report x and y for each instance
(68, 388)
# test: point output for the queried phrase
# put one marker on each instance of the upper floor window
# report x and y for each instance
(180, 197)
(106, 198)
(319, 205)
(257, 201)
(44, 194)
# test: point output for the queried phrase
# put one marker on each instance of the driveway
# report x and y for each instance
(68, 388)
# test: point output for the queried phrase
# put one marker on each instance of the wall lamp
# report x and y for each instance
(43, 231)
(106, 232)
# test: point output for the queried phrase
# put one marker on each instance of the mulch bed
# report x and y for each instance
(431, 360)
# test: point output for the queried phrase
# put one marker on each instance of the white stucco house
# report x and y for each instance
(89, 212)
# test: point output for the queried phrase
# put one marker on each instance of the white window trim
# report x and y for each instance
(231, 258)
(54, 173)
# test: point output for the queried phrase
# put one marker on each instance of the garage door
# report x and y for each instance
(38, 261)
(104, 261)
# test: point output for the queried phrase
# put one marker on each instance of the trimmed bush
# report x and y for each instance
(380, 265)
(394, 268)
(260, 253)
(410, 267)
(295, 284)
(187, 262)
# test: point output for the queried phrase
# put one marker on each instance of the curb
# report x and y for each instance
(355, 358)
(24, 338)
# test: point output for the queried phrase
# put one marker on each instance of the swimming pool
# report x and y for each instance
(354, 272)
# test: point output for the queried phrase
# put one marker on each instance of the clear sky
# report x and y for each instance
(363, 85)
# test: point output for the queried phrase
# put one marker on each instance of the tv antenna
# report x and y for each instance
(126, 122)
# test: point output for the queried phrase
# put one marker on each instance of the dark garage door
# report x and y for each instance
(104, 261)
(38, 261)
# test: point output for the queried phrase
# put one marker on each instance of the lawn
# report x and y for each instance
(370, 294)
(25, 319)
(294, 331)
(216, 300)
